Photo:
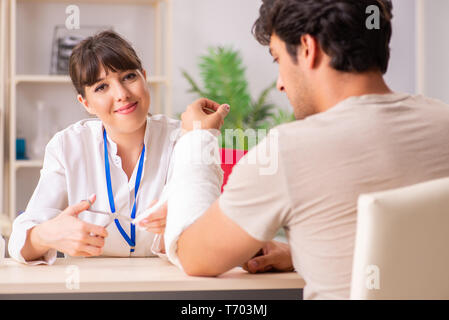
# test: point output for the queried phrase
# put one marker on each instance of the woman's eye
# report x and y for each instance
(101, 87)
(130, 76)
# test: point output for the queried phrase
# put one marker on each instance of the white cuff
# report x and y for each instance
(17, 241)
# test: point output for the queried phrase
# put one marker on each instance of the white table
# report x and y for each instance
(147, 278)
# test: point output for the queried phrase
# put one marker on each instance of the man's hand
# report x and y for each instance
(207, 113)
(274, 256)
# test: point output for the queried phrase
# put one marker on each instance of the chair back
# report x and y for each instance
(402, 243)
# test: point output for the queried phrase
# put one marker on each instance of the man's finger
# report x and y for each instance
(221, 114)
(260, 263)
(223, 110)
(209, 104)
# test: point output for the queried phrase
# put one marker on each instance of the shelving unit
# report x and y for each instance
(160, 79)
(4, 225)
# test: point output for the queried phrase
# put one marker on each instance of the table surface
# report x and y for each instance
(129, 275)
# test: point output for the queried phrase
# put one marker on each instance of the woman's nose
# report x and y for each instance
(121, 93)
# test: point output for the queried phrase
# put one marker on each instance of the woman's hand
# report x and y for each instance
(68, 234)
(204, 114)
(156, 222)
(274, 256)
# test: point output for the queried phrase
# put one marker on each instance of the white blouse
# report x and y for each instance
(74, 169)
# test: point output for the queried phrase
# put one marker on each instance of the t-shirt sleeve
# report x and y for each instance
(256, 196)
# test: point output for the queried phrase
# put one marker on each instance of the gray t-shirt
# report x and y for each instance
(320, 165)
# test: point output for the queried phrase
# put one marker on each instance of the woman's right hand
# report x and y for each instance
(68, 234)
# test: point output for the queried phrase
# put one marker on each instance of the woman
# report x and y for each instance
(117, 162)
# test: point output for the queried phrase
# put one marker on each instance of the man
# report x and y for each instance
(353, 136)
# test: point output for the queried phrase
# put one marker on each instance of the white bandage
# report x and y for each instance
(195, 184)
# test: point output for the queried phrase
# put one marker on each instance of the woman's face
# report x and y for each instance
(120, 99)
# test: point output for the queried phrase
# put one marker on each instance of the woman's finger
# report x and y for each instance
(155, 224)
(95, 241)
(149, 220)
(155, 230)
(153, 203)
(91, 250)
(157, 215)
(83, 250)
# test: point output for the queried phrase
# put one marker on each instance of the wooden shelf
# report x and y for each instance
(28, 163)
(41, 79)
(38, 78)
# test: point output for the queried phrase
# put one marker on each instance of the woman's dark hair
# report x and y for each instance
(338, 25)
(106, 49)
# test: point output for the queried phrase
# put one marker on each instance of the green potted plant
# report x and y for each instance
(224, 81)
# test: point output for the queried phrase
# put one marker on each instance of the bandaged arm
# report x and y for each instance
(194, 186)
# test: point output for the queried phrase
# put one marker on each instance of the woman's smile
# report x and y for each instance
(130, 107)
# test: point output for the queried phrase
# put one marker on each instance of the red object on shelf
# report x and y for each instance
(229, 157)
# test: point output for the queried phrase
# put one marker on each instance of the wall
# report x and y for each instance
(199, 24)
(435, 49)
(401, 74)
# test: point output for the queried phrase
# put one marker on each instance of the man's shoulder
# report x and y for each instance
(369, 108)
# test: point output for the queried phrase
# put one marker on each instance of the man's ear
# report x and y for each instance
(84, 103)
(310, 51)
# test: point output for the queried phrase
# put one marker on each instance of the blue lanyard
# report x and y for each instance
(131, 241)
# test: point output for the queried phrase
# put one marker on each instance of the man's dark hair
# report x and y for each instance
(338, 25)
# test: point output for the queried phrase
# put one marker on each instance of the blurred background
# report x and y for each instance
(187, 47)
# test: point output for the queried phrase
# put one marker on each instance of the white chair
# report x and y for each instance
(402, 243)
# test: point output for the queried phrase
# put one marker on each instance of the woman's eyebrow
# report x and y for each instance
(98, 80)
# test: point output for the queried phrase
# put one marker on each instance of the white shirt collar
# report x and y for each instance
(112, 146)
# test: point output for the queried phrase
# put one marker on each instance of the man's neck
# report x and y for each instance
(341, 86)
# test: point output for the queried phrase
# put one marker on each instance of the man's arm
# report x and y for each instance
(215, 244)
